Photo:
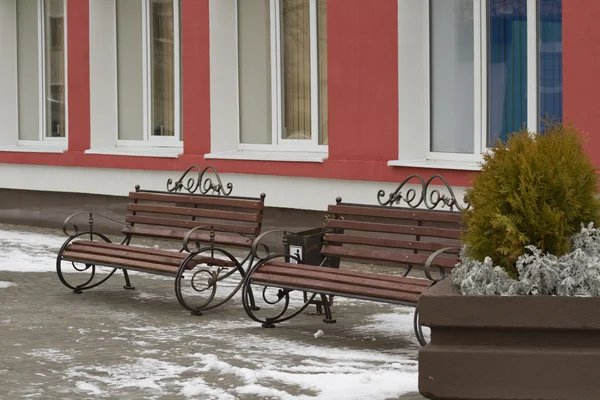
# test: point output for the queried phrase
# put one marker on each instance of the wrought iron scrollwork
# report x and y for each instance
(85, 270)
(424, 195)
(201, 184)
(204, 277)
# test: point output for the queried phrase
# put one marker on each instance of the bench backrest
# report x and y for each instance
(382, 234)
(166, 215)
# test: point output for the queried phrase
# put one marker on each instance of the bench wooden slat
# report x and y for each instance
(145, 250)
(395, 213)
(235, 202)
(324, 276)
(116, 261)
(189, 224)
(392, 228)
(196, 212)
(142, 254)
(328, 287)
(385, 242)
(385, 255)
(220, 238)
(122, 253)
(370, 275)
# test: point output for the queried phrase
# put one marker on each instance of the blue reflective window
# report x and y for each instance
(550, 78)
(507, 65)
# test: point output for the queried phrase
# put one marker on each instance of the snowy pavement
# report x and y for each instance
(114, 343)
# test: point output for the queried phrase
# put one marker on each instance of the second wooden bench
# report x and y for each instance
(408, 237)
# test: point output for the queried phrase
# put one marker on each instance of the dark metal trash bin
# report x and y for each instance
(307, 246)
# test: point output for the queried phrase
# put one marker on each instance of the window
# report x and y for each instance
(282, 74)
(41, 72)
(471, 72)
(495, 67)
(148, 71)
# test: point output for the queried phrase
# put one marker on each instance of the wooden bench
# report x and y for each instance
(205, 224)
(407, 237)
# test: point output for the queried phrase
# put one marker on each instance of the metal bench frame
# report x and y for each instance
(198, 265)
(419, 202)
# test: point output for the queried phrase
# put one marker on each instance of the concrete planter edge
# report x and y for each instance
(509, 347)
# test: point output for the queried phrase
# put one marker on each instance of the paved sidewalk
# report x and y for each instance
(112, 343)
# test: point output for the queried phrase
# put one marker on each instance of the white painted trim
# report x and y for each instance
(277, 88)
(281, 191)
(66, 55)
(532, 65)
(289, 146)
(146, 73)
(9, 96)
(268, 155)
(177, 69)
(427, 74)
(139, 151)
(315, 124)
(413, 79)
(480, 75)
(32, 146)
(483, 83)
(437, 164)
(41, 14)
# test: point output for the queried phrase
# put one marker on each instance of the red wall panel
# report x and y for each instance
(195, 55)
(363, 79)
(581, 70)
(78, 60)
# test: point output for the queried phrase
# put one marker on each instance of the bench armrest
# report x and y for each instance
(432, 258)
(91, 216)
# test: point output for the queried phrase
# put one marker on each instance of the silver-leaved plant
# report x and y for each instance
(576, 273)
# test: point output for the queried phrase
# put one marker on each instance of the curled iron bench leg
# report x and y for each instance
(282, 299)
(78, 289)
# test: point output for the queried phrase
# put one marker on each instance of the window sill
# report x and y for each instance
(437, 164)
(157, 152)
(290, 156)
(34, 149)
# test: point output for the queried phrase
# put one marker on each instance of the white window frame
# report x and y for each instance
(43, 140)
(420, 154)
(148, 139)
(277, 91)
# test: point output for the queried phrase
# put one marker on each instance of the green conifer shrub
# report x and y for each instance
(534, 190)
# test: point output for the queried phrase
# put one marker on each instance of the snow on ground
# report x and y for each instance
(329, 373)
(392, 323)
(286, 370)
(6, 284)
(29, 252)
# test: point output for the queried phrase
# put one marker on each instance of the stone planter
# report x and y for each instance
(509, 347)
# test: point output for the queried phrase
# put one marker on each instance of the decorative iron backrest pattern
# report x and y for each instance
(201, 184)
(425, 196)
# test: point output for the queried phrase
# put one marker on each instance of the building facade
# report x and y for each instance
(305, 100)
